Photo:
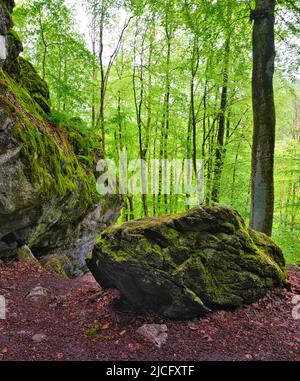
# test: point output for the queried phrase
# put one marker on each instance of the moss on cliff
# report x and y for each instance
(34, 84)
(51, 163)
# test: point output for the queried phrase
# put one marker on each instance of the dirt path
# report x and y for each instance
(262, 331)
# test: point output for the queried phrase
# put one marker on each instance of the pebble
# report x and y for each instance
(39, 337)
(38, 292)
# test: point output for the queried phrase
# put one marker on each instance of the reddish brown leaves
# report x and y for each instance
(263, 331)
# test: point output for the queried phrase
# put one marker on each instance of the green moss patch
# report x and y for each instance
(50, 161)
(35, 85)
(94, 332)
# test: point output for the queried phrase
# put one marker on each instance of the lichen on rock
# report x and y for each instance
(188, 264)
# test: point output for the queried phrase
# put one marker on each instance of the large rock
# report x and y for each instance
(188, 264)
(48, 199)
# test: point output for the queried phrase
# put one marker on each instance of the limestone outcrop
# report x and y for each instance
(48, 199)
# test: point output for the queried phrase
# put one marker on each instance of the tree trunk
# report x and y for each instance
(94, 78)
(139, 103)
(262, 177)
(102, 81)
(219, 155)
(167, 112)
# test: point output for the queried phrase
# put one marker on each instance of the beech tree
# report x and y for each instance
(262, 177)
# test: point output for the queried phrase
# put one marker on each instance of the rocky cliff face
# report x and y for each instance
(48, 195)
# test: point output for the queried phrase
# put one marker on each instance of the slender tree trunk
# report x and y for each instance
(234, 172)
(262, 177)
(125, 210)
(293, 209)
(45, 48)
(167, 112)
(139, 102)
(102, 80)
(131, 207)
(154, 196)
(120, 133)
(94, 78)
(163, 152)
(219, 155)
(60, 80)
(195, 62)
(146, 149)
(65, 80)
(189, 150)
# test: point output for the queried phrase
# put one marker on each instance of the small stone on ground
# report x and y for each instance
(156, 333)
(39, 337)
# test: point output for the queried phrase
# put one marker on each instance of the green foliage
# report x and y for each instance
(93, 332)
(60, 54)
(289, 241)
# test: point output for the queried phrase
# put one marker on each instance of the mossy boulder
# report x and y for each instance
(61, 264)
(189, 264)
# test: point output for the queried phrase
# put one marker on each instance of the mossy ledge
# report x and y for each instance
(47, 153)
(188, 264)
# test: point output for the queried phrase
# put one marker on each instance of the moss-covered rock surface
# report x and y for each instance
(189, 264)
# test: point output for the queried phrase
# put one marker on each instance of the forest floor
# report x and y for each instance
(262, 331)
